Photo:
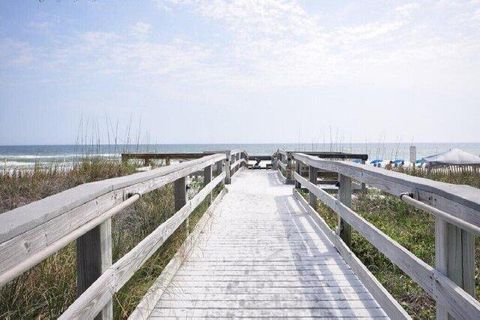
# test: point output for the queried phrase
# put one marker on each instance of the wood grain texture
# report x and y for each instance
(384, 298)
(91, 302)
(458, 200)
(458, 302)
(148, 302)
(262, 256)
(345, 196)
(26, 231)
(94, 256)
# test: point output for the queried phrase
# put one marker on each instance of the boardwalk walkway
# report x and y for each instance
(264, 257)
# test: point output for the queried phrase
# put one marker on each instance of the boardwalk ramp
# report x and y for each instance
(261, 255)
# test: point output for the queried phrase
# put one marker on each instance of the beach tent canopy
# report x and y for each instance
(453, 157)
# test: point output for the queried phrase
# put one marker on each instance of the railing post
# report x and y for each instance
(455, 258)
(290, 169)
(228, 178)
(312, 174)
(274, 161)
(297, 170)
(245, 157)
(94, 256)
(219, 167)
(364, 186)
(180, 194)
(207, 177)
(344, 230)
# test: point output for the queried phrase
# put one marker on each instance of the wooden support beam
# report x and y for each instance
(275, 161)
(364, 186)
(455, 258)
(344, 230)
(228, 178)
(297, 170)
(94, 256)
(180, 194)
(312, 174)
(290, 169)
(207, 177)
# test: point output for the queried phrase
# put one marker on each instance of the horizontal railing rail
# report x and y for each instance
(30, 234)
(459, 200)
(284, 162)
(98, 295)
(31, 229)
(456, 208)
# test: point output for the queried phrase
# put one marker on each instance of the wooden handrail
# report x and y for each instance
(442, 198)
(459, 200)
(28, 230)
(31, 233)
(236, 164)
(441, 214)
(92, 301)
(62, 242)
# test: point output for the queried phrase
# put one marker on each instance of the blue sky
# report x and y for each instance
(239, 71)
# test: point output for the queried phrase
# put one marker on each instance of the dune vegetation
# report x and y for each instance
(46, 290)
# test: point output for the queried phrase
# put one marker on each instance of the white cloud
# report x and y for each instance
(276, 43)
(408, 8)
(15, 53)
(41, 26)
(141, 29)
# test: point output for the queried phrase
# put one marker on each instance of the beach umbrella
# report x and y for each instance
(453, 157)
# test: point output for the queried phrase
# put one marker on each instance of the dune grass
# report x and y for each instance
(412, 228)
(49, 288)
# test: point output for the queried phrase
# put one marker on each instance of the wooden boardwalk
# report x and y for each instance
(260, 250)
(262, 255)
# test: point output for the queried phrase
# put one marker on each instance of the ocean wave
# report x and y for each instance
(58, 156)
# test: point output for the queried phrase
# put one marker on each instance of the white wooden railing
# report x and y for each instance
(31, 233)
(451, 283)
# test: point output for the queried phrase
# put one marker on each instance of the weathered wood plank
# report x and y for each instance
(458, 200)
(268, 313)
(102, 290)
(148, 302)
(227, 165)
(203, 296)
(26, 231)
(287, 292)
(455, 258)
(236, 164)
(94, 256)
(437, 285)
(312, 174)
(262, 252)
(344, 230)
(267, 304)
(384, 298)
(207, 177)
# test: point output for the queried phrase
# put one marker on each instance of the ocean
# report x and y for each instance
(24, 156)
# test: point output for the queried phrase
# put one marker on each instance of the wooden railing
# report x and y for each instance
(451, 283)
(31, 233)
(283, 161)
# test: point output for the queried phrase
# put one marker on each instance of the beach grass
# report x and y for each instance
(46, 290)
